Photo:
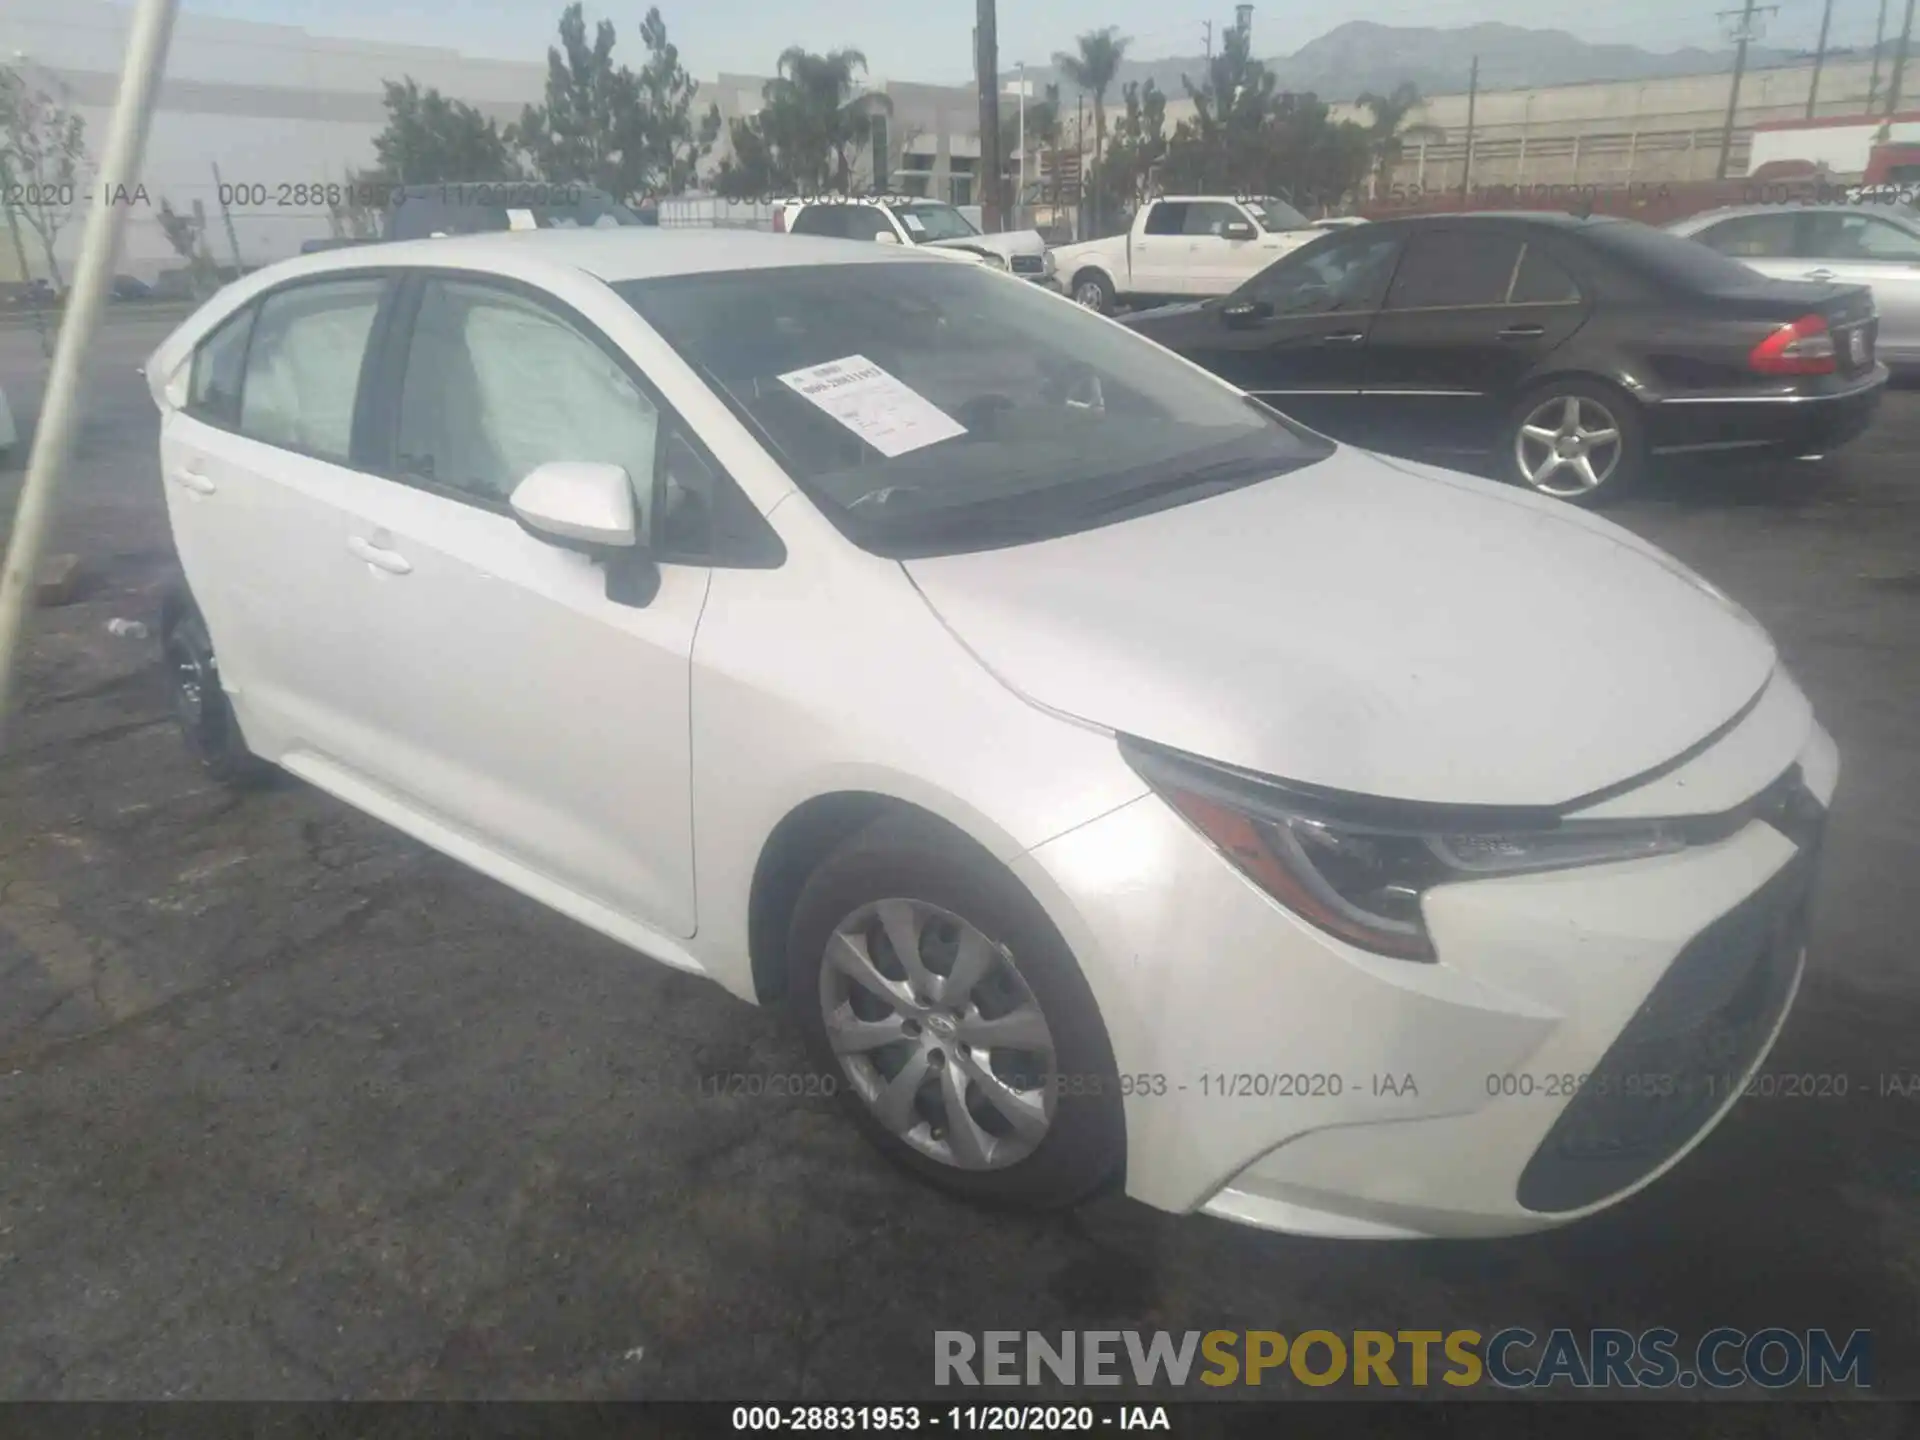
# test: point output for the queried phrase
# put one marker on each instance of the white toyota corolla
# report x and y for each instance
(1116, 780)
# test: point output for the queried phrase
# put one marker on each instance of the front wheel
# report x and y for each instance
(960, 1033)
(1574, 441)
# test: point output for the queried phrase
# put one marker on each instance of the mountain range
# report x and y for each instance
(1361, 56)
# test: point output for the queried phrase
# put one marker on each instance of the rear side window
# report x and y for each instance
(214, 390)
(1541, 281)
(1449, 268)
(303, 366)
(1167, 218)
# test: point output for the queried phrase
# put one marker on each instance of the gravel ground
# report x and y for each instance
(293, 1108)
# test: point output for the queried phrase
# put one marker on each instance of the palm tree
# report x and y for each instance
(830, 118)
(1093, 71)
(1387, 137)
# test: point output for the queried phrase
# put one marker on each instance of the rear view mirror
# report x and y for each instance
(579, 503)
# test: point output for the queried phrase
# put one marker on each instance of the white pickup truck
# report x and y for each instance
(909, 221)
(1180, 247)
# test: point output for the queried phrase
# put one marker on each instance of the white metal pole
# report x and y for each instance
(1020, 200)
(146, 60)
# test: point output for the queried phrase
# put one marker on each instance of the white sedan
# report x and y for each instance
(1113, 779)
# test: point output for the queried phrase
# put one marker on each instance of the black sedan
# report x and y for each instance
(1565, 349)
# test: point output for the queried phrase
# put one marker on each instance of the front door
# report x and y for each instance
(524, 712)
(1295, 335)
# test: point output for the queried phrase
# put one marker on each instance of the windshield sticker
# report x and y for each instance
(882, 410)
(912, 222)
(521, 220)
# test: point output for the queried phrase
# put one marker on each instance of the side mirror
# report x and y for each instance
(580, 504)
(886, 237)
(1238, 314)
(1238, 230)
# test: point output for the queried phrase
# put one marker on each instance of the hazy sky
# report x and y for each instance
(904, 40)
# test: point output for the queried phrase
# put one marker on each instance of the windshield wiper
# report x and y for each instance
(1219, 476)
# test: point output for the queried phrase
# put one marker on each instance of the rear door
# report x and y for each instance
(1157, 252)
(1295, 335)
(1471, 312)
(261, 471)
(1856, 248)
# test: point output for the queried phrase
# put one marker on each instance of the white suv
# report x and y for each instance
(908, 221)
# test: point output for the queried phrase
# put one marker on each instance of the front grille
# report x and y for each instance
(1028, 264)
(1689, 1046)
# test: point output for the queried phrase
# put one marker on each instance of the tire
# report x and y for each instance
(200, 705)
(1066, 1145)
(1094, 290)
(1574, 411)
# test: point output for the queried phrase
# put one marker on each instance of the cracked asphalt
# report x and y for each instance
(293, 1108)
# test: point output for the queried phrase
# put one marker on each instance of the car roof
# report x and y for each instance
(614, 254)
(1898, 213)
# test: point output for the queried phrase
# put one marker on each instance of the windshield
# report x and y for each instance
(934, 222)
(930, 409)
(1275, 214)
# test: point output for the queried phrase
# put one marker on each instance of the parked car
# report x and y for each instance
(1109, 775)
(1873, 245)
(131, 287)
(416, 212)
(1180, 247)
(917, 222)
(1564, 351)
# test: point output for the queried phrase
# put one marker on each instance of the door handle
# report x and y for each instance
(1345, 337)
(392, 561)
(1821, 274)
(1523, 332)
(189, 478)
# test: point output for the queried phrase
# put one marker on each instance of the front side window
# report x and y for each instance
(933, 408)
(303, 365)
(1446, 269)
(1209, 217)
(863, 222)
(496, 386)
(828, 221)
(213, 391)
(1334, 277)
(1860, 237)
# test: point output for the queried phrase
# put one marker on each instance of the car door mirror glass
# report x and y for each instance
(580, 504)
(1245, 311)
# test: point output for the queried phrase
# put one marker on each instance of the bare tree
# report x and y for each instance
(43, 152)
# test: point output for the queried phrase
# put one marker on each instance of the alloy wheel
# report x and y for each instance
(938, 1033)
(1091, 296)
(1569, 445)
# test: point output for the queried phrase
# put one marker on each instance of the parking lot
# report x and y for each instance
(291, 1107)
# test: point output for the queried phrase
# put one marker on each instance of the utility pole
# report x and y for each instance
(1473, 95)
(992, 172)
(1744, 32)
(233, 240)
(1900, 61)
(1819, 59)
(1879, 40)
(1080, 163)
(1209, 47)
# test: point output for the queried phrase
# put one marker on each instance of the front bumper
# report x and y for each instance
(1791, 423)
(1282, 1079)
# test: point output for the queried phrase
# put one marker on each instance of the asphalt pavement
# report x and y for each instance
(293, 1108)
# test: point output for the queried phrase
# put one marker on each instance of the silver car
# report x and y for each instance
(1874, 245)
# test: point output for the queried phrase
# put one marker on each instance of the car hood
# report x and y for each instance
(1370, 626)
(1006, 243)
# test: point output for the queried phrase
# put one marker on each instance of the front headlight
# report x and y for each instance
(1047, 265)
(1358, 867)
